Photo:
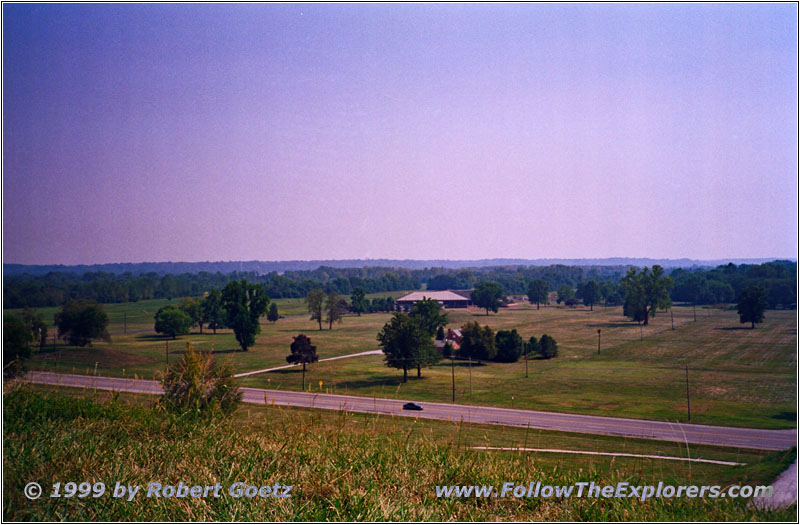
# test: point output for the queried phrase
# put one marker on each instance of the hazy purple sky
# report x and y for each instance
(330, 131)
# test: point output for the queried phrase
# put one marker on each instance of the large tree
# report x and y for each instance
(477, 342)
(80, 321)
(751, 306)
(488, 295)
(194, 309)
(358, 301)
(335, 308)
(590, 293)
(213, 312)
(406, 344)
(565, 293)
(315, 301)
(537, 292)
(645, 292)
(244, 304)
(172, 321)
(429, 314)
(509, 346)
(302, 352)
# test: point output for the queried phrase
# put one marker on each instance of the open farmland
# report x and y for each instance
(737, 376)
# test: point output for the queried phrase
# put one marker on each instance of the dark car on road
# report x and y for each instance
(412, 406)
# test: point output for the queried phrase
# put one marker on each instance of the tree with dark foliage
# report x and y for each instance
(172, 321)
(302, 352)
(81, 321)
(752, 303)
(244, 304)
(487, 295)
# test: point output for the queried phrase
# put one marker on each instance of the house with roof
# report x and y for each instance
(446, 298)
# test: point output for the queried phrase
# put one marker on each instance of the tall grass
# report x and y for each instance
(377, 471)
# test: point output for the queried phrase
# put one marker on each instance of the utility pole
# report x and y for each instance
(453, 373)
(694, 309)
(688, 406)
(470, 375)
(125, 322)
(672, 318)
(166, 351)
(641, 332)
(526, 364)
(598, 341)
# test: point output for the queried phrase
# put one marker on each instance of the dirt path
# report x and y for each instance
(370, 352)
(784, 491)
(616, 454)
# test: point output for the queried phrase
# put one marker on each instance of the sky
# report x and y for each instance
(207, 132)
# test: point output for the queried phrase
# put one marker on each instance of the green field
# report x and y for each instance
(343, 466)
(737, 376)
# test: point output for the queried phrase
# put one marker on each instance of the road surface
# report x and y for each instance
(634, 428)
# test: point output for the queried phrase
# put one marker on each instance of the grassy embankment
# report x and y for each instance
(343, 466)
(737, 376)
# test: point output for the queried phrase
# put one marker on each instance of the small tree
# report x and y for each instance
(548, 348)
(487, 295)
(537, 292)
(315, 301)
(477, 342)
(532, 347)
(509, 346)
(16, 344)
(335, 308)
(244, 304)
(36, 325)
(172, 321)
(196, 387)
(440, 333)
(80, 321)
(751, 306)
(358, 301)
(272, 314)
(213, 312)
(302, 352)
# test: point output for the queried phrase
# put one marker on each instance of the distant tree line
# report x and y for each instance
(698, 286)
(724, 284)
(54, 289)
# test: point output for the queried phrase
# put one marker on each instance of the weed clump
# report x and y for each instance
(197, 387)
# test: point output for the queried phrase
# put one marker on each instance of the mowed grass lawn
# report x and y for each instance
(737, 376)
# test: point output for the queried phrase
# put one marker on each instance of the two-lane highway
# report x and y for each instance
(634, 428)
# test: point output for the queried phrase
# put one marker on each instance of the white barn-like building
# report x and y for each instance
(447, 298)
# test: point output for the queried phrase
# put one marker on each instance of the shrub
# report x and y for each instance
(195, 386)
(548, 348)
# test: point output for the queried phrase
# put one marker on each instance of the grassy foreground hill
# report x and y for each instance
(343, 466)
